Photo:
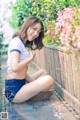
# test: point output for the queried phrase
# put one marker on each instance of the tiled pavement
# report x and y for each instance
(53, 109)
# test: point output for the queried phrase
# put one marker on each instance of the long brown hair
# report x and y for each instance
(23, 30)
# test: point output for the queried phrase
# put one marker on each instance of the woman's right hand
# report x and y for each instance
(32, 54)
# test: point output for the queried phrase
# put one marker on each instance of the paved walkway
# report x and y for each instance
(53, 109)
(62, 109)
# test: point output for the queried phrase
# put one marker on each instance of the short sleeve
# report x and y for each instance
(15, 45)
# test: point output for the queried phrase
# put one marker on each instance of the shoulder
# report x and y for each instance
(15, 44)
(15, 40)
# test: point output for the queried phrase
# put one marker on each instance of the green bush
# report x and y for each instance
(46, 10)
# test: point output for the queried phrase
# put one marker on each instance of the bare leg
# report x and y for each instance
(39, 73)
(36, 75)
(33, 88)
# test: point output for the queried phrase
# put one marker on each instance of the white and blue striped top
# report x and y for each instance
(17, 44)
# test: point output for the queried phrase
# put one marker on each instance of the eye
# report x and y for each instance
(34, 28)
(39, 31)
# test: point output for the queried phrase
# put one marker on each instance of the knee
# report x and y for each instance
(50, 80)
(46, 80)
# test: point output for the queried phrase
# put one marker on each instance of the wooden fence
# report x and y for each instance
(65, 69)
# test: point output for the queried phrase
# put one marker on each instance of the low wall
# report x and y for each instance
(65, 69)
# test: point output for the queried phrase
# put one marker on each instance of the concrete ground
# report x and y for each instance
(53, 109)
(62, 108)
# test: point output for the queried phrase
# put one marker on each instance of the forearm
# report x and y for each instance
(20, 65)
(16, 65)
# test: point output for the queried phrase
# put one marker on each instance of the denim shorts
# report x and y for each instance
(12, 86)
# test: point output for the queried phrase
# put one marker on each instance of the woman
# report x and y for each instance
(19, 86)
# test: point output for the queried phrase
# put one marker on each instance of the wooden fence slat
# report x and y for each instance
(65, 69)
(53, 64)
(58, 66)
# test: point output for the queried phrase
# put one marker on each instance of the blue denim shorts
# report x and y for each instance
(12, 86)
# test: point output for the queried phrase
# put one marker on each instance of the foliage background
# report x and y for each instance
(46, 10)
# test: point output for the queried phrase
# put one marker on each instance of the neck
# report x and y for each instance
(24, 40)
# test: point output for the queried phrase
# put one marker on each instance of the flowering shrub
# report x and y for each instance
(67, 29)
(48, 34)
(49, 38)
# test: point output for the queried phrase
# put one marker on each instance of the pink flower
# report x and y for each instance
(67, 28)
(78, 45)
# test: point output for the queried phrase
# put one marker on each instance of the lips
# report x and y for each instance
(33, 37)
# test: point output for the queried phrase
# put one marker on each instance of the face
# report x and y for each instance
(33, 32)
